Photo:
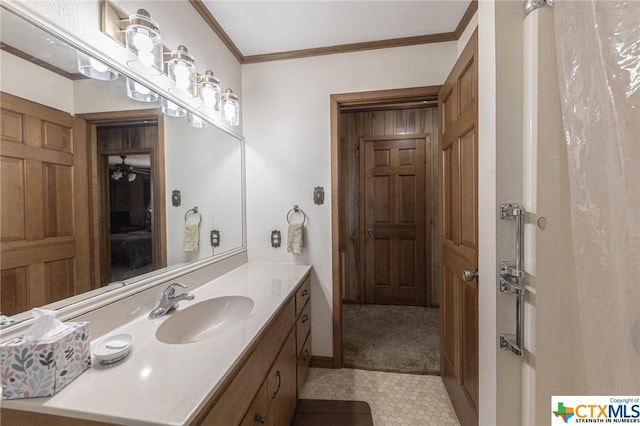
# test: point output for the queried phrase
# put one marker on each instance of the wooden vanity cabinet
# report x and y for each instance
(303, 332)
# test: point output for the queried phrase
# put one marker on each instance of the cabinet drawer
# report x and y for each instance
(304, 360)
(303, 327)
(303, 294)
(257, 414)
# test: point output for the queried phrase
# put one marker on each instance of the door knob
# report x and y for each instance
(370, 231)
(468, 275)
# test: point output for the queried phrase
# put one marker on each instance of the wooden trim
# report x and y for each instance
(466, 18)
(322, 362)
(159, 192)
(25, 56)
(206, 15)
(204, 12)
(336, 101)
(129, 116)
(351, 47)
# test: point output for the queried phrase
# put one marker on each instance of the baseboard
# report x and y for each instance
(322, 361)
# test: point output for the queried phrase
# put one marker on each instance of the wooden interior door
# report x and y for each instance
(393, 222)
(44, 234)
(459, 221)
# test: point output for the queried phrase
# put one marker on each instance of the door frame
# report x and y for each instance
(93, 121)
(337, 101)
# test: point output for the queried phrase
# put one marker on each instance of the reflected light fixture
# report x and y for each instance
(210, 93)
(182, 72)
(140, 92)
(230, 108)
(195, 121)
(171, 109)
(94, 68)
(144, 45)
(123, 170)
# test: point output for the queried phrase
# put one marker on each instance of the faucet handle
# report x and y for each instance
(171, 290)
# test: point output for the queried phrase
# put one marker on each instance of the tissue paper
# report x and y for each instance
(48, 357)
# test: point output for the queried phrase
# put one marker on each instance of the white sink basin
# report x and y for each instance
(204, 319)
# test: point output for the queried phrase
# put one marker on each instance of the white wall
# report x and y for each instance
(287, 131)
(26, 80)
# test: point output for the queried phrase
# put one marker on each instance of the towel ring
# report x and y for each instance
(193, 211)
(295, 210)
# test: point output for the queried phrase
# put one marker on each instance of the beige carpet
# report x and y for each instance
(400, 339)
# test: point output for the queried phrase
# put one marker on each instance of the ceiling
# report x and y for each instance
(267, 27)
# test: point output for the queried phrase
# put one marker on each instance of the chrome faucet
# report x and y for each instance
(169, 301)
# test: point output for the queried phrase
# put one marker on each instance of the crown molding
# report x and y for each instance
(204, 12)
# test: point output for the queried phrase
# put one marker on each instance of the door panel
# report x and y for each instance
(394, 219)
(459, 221)
(40, 260)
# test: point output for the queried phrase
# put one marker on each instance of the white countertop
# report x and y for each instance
(165, 384)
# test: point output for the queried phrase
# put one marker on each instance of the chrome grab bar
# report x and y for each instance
(509, 280)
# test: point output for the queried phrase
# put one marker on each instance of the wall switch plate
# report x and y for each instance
(176, 198)
(276, 239)
(318, 195)
(215, 238)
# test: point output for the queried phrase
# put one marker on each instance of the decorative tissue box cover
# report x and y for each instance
(43, 368)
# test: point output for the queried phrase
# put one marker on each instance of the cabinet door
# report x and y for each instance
(257, 414)
(281, 384)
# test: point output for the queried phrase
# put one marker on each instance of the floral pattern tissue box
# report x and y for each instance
(44, 367)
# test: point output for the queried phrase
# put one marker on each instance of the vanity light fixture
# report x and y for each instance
(195, 121)
(94, 68)
(210, 93)
(182, 72)
(140, 92)
(230, 108)
(171, 109)
(144, 45)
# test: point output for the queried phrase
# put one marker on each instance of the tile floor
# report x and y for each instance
(396, 399)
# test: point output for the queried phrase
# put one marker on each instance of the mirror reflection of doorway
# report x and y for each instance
(130, 215)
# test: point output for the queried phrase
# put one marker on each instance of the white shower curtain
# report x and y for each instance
(598, 45)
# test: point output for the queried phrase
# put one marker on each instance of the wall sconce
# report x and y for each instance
(171, 109)
(182, 72)
(140, 92)
(93, 68)
(230, 108)
(144, 45)
(210, 93)
(195, 121)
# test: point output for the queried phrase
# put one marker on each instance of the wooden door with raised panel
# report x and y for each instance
(393, 221)
(459, 229)
(44, 239)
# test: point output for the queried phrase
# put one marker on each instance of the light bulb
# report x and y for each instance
(142, 41)
(182, 83)
(208, 96)
(181, 71)
(229, 111)
(97, 65)
(146, 58)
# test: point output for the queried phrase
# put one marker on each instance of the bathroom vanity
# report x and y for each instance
(247, 373)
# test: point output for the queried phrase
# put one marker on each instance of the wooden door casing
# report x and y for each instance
(393, 218)
(459, 221)
(44, 255)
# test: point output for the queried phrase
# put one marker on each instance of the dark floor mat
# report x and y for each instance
(319, 412)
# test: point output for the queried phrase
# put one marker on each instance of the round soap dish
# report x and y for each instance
(113, 348)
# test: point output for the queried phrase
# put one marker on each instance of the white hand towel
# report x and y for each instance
(295, 238)
(191, 237)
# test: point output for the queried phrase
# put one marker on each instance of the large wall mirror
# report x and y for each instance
(98, 189)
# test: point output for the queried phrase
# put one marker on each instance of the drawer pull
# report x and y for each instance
(277, 387)
(305, 318)
(304, 293)
(306, 354)
(259, 419)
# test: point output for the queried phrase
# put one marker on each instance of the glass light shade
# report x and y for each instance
(210, 94)
(171, 109)
(93, 68)
(230, 108)
(195, 121)
(183, 74)
(144, 45)
(140, 92)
